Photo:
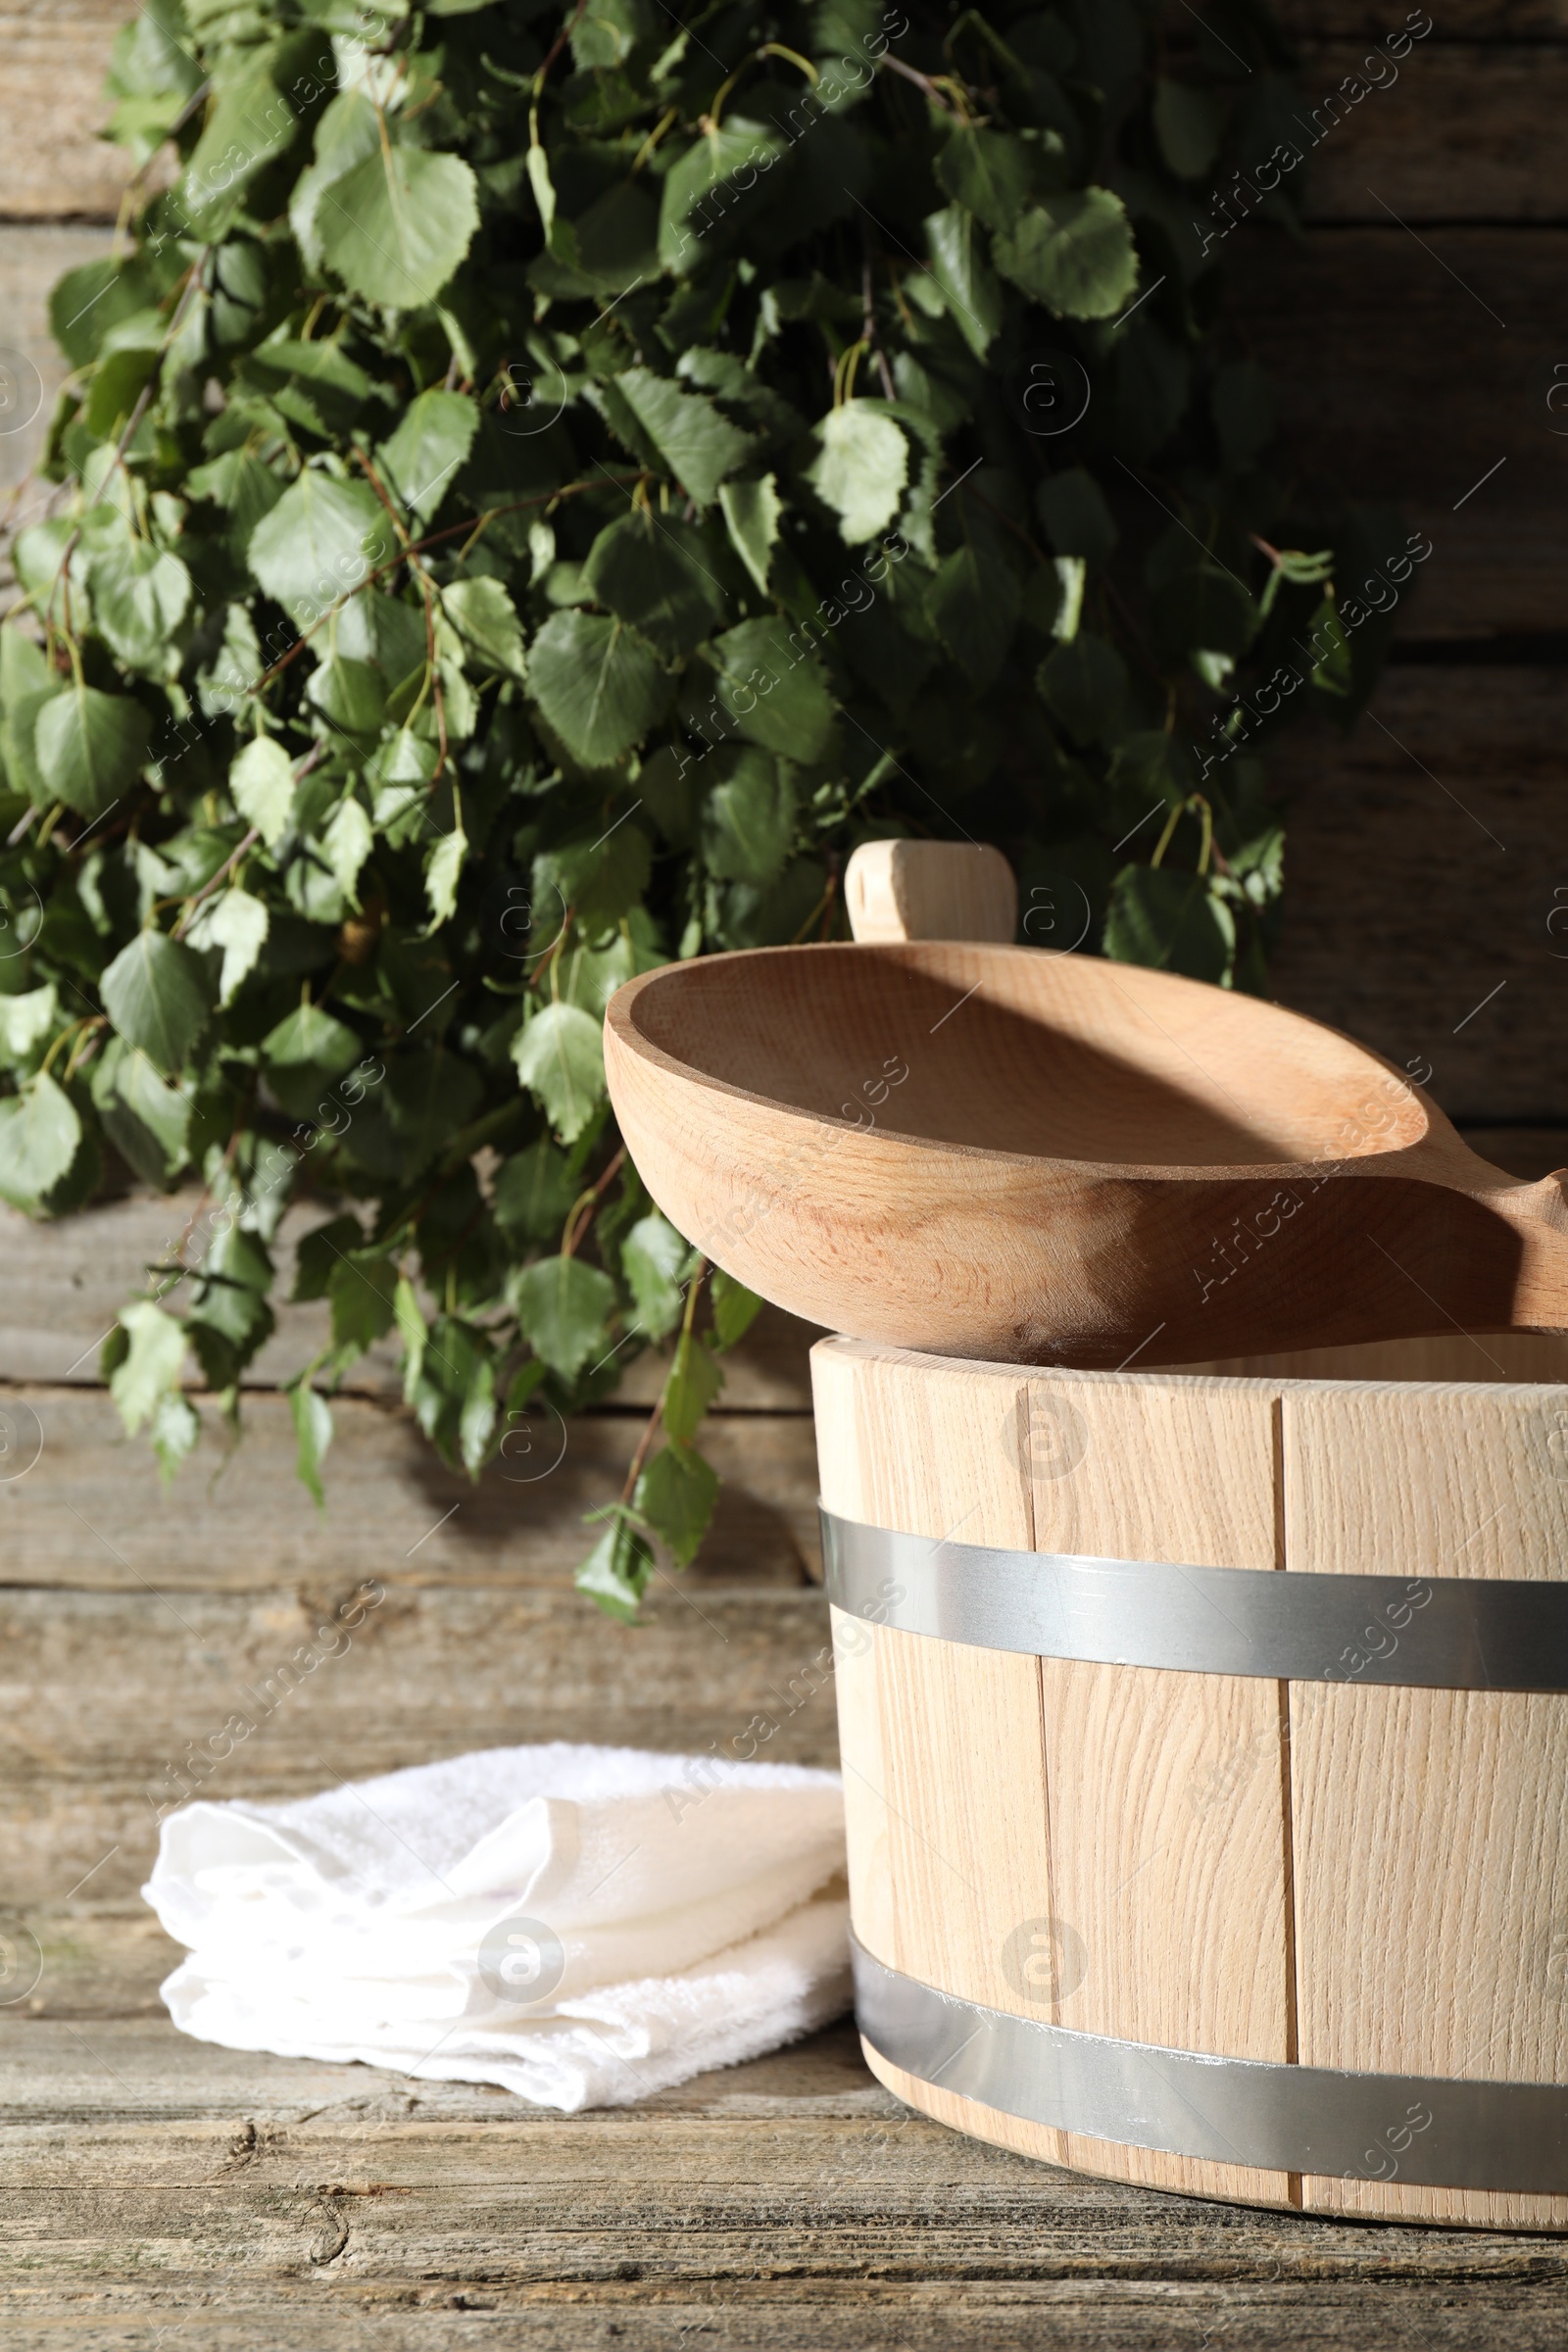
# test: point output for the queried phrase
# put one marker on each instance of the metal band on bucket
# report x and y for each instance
(1426, 2131)
(1448, 1632)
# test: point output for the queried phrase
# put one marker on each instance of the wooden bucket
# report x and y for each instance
(1359, 1884)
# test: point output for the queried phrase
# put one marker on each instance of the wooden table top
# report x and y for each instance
(158, 2193)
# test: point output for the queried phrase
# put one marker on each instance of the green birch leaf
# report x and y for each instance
(346, 131)
(733, 158)
(561, 1056)
(433, 437)
(563, 1308)
(442, 874)
(773, 688)
(414, 1332)
(598, 683)
(693, 1381)
(146, 1119)
(534, 1192)
(139, 598)
(250, 124)
(1073, 253)
(486, 619)
(28, 1021)
(1332, 672)
(40, 1133)
(956, 248)
(345, 844)
(476, 1415)
(735, 1307)
(601, 879)
(752, 512)
(238, 923)
(157, 996)
(149, 1366)
(1188, 123)
(990, 172)
(174, 1432)
(361, 1290)
(616, 1573)
(675, 1494)
(350, 695)
(650, 569)
(749, 821)
(90, 747)
(685, 433)
(308, 1039)
(860, 468)
(318, 1251)
(261, 784)
(1158, 915)
(397, 223)
(654, 1260)
(319, 543)
(1072, 507)
(312, 1435)
(431, 1095)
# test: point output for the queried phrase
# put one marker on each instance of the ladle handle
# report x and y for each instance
(930, 890)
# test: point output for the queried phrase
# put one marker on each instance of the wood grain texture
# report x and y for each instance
(1394, 380)
(51, 110)
(1493, 1355)
(91, 1512)
(1404, 923)
(1169, 1870)
(959, 1863)
(930, 890)
(1464, 132)
(842, 1467)
(150, 2182)
(1060, 1160)
(1431, 1874)
(1482, 23)
(1371, 1879)
(121, 1705)
(157, 2189)
(1073, 1884)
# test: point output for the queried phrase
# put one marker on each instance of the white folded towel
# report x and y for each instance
(581, 1925)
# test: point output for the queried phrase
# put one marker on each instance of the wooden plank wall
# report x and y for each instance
(1413, 342)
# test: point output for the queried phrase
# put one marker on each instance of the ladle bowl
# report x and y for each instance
(989, 1151)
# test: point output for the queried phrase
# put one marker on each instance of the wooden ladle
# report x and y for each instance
(936, 1140)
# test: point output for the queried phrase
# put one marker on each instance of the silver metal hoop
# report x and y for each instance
(1447, 1633)
(1429, 2131)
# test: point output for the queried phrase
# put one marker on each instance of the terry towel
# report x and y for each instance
(581, 1925)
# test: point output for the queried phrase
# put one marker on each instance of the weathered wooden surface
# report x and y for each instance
(1406, 370)
(1422, 857)
(90, 1511)
(120, 1704)
(51, 106)
(156, 2191)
